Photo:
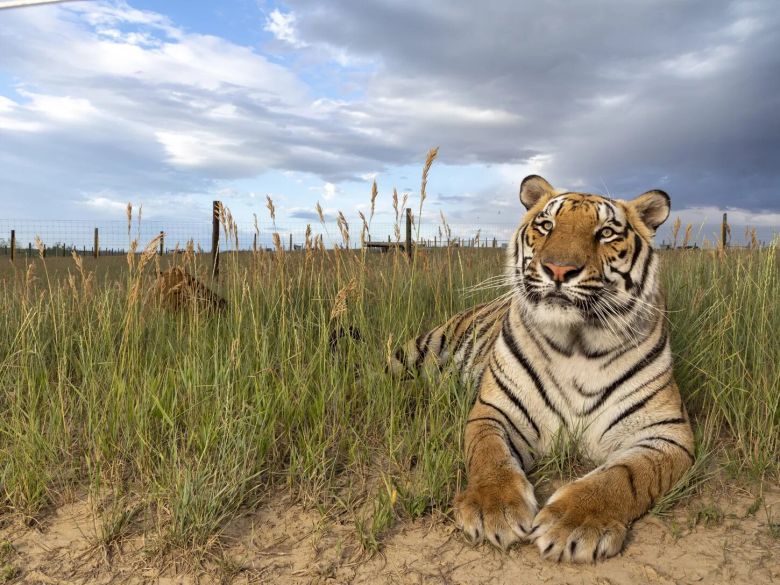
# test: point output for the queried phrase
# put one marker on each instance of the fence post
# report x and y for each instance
(13, 245)
(291, 244)
(216, 206)
(254, 243)
(96, 244)
(724, 228)
(162, 242)
(409, 232)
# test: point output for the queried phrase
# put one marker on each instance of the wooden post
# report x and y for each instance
(216, 206)
(13, 245)
(96, 244)
(724, 230)
(409, 232)
(162, 242)
(291, 244)
(254, 243)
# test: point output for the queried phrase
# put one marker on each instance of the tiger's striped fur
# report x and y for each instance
(582, 346)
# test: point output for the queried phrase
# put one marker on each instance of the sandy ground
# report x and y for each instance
(710, 540)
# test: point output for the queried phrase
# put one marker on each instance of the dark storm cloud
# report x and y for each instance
(679, 95)
(618, 96)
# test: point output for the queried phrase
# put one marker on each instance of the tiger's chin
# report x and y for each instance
(555, 312)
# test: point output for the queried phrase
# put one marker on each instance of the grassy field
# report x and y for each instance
(173, 423)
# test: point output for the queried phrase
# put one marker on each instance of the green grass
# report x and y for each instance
(200, 417)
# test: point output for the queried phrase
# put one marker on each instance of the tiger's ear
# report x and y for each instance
(652, 207)
(532, 189)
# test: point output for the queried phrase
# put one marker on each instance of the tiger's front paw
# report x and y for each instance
(501, 508)
(578, 525)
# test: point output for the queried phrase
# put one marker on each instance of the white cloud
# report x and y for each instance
(329, 191)
(60, 108)
(736, 216)
(103, 203)
(282, 26)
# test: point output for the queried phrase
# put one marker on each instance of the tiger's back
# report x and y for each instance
(464, 342)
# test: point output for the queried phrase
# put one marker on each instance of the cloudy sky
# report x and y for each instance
(173, 104)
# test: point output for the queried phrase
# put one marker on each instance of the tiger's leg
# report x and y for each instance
(588, 519)
(499, 501)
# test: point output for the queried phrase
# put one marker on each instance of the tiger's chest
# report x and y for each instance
(573, 395)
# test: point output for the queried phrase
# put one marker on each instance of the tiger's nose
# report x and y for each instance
(561, 273)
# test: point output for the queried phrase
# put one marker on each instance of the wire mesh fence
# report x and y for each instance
(62, 237)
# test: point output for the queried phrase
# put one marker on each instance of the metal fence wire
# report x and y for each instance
(62, 237)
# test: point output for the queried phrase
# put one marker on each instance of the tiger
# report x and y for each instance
(579, 345)
(176, 290)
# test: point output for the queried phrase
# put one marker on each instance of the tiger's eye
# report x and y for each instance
(547, 225)
(606, 233)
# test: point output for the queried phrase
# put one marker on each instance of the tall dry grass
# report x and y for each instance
(174, 422)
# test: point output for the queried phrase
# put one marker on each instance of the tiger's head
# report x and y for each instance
(579, 258)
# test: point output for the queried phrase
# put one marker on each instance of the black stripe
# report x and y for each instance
(509, 420)
(517, 454)
(561, 350)
(422, 350)
(632, 409)
(483, 434)
(442, 341)
(509, 339)
(667, 421)
(630, 474)
(539, 346)
(631, 372)
(627, 280)
(514, 399)
(641, 284)
(671, 442)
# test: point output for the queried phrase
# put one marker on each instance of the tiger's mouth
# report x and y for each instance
(557, 298)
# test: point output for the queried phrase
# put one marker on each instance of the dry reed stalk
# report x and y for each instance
(395, 204)
(307, 241)
(277, 243)
(374, 194)
(29, 277)
(343, 228)
(687, 236)
(129, 212)
(189, 252)
(389, 353)
(432, 153)
(754, 243)
(40, 247)
(447, 230)
(130, 255)
(138, 222)
(340, 303)
(676, 230)
(269, 203)
(320, 214)
(149, 253)
(257, 233)
(364, 229)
